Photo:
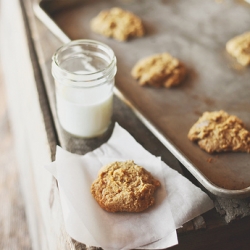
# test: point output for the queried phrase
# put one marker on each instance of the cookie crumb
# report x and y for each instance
(209, 160)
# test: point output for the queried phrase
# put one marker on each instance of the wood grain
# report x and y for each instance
(14, 233)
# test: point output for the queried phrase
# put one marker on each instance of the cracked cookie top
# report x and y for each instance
(218, 131)
(160, 70)
(118, 24)
(239, 47)
(124, 187)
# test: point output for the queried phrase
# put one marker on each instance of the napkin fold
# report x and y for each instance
(177, 201)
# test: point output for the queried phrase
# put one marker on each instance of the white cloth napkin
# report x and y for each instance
(155, 228)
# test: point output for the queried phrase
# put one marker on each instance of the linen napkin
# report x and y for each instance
(154, 228)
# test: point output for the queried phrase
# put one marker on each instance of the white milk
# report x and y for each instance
(85, 113)
(84, 72)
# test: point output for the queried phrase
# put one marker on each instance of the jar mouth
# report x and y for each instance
(82, 62)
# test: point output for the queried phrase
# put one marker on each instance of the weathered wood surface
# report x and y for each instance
(36, 139)
(33, 144)
(14, 233)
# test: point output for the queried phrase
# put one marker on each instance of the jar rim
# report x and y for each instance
(74, 76)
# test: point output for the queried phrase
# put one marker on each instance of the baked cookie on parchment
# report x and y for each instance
(239, 47)
(118, 24)
(159, 70)
(124, 187)
(218, 131)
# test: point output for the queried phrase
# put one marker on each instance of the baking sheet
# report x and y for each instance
(196, 33)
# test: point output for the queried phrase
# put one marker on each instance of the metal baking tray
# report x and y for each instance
(195, 32)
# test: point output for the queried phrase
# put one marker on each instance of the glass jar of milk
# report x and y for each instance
(84, 73)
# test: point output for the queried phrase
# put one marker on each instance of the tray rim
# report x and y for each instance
(45, 18)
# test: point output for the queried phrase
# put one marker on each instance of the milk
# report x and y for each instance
(85, 113)
(84, 72)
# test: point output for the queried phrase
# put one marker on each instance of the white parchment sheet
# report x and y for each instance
(177, 200)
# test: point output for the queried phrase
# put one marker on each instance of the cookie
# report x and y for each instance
(239, 47)
(118, 24)
(124, 187)
(160, 70)
(218, 131)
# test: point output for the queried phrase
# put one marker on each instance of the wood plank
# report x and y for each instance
(14, 230)
(234, 236)
(30, 132)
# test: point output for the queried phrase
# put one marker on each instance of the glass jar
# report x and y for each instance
(84, 72)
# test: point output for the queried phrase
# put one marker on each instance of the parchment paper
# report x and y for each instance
(177, 201)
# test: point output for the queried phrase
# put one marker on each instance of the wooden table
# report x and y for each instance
(27, 49)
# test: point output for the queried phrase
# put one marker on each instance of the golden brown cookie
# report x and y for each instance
(124, 187)
(218, 131)
(160, 70)
(117, 23)
(239, 47)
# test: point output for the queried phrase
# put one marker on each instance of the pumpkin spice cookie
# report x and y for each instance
(218, 131)
(160, 70)
(124, 187)
(117, 23)
(239, 47)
